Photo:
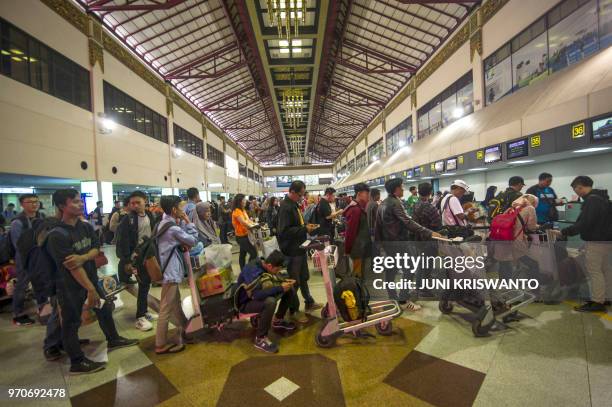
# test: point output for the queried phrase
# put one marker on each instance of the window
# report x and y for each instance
(124, 110)
(453, 103)
(400, 136)
(250, 174)
(311, 180)
(215, 156)
(188, 142)
(242, 170)
(375, 151)
(31, 62)
(350, 167)
(360, 161)
(571, 31)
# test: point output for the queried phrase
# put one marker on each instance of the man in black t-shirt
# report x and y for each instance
(73, 245)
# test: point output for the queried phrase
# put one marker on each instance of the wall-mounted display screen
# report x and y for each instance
(417, 172)
(602, 128)
(439, 166)
(492, 154)
(409, 173)
(517, 149)
(451, 164)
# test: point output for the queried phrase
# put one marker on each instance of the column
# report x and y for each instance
(476, 59)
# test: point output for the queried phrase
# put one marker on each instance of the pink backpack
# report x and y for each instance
(502, 226)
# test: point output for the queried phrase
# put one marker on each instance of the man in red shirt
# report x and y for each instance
(357, 243)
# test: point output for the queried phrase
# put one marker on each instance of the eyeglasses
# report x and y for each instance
(31, 202)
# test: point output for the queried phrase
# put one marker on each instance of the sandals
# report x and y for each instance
(170, 348)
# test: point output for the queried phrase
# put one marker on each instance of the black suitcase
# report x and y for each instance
(218, 308)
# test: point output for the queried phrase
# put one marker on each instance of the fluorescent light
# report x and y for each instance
(477, 169)
(402, 143)
(458, 112)
(108, 124)
(295, 43)
(446, 174)
(283, 43)
(426, 177)
(592, 149)
(284, 50)
(521, 162)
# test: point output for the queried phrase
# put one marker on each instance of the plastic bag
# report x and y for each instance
(219, 255)
(269, 246)
(187, 306)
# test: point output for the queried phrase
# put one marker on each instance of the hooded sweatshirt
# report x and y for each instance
(593, 223)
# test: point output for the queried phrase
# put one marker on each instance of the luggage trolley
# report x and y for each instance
(325, 258)
(486, 307)
(226, 314)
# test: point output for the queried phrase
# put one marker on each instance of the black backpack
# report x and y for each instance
(36, 259)
(359, 292)
(12, 245)
(5, 248)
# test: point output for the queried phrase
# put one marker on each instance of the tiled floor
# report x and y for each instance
(555, 357)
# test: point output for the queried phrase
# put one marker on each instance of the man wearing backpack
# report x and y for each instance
(504, 199)
(547, 199)
(594, 225)
(132, 231)
(261, 290)
(73, 246)
(393, 227)
(22, 222)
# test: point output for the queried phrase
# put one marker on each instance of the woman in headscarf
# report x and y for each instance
(207, 228)
(489, 195)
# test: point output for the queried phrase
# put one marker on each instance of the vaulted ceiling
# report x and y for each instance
(348, 59)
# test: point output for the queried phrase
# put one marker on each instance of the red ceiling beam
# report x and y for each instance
(211, 75)
(102, 7)
(202, 60)
(435, 2)
(358, 93)
(430, 21)
(403, 23)
(161, 20)
(226, 98)
(441, 12)
(386, 37)
(174, 28)
(377, 54)
(384, 46)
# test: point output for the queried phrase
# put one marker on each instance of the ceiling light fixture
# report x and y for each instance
(292, 104)
(287, 15)
(521, 162)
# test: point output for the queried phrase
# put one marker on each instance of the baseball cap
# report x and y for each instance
(516, 180)
(461, 183)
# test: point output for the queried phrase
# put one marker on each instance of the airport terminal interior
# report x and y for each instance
(203, 201)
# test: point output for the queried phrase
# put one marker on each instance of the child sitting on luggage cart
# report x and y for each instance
(260, 289)
(183, 233)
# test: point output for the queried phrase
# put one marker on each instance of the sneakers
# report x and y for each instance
(312, 306)
(411, 306)
(121, 342)
(282, 324)
(265, 344)
(143, 324)
(52, 354)
(151, 316)
(591, 306)
(86, 366)
(23, 320)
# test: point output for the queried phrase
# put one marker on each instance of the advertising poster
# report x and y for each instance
(530, 63)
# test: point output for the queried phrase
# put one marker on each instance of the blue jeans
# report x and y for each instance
(53, 338)
(23, 280)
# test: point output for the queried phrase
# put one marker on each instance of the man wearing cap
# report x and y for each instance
(452, 211)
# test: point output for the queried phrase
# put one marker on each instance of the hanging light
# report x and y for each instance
(287, 15)
(293, 105)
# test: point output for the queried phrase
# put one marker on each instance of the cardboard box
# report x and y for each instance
(215, 283)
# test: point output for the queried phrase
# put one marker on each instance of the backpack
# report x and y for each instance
(352, 298)
(36, 259)
(500, 203)
(502, 226)
(5, 248)
(13, 245)
(147, 254)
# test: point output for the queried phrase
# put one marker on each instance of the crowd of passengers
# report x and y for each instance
(73, 242)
